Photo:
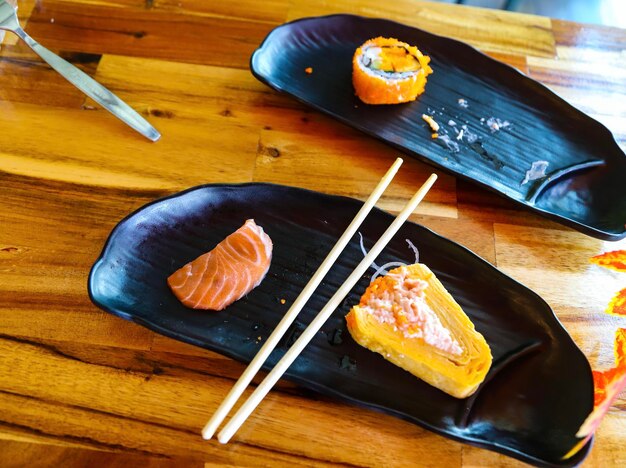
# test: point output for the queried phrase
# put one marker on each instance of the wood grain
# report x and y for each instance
(156, 412)
(517, 61)
(555, 264)
(187, 155)
(17, 454)
(279, 154)
(24, 73)
(489, 30)
(80, 387)
(128, 27)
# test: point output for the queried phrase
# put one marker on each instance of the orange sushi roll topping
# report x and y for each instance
(388, 71)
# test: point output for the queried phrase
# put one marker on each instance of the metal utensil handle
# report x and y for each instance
(92, 88)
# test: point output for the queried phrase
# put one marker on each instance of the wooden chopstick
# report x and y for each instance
(279, 369)
(282, 327)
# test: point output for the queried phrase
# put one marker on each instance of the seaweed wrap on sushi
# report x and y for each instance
(388, 71)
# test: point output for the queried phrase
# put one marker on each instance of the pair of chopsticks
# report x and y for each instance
(262, 390)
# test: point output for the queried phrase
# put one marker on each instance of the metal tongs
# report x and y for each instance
(93, 89)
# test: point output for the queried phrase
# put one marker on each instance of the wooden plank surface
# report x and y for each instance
(79, 387)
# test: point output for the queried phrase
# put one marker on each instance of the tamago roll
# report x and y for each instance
(388, 71)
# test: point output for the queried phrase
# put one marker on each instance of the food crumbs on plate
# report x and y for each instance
(495, 124)
(434, 135)
(282, 301)
(308, 70)
(451, 145)
(463, 103)
(259, 338)
(469, 136)
(430, 121)
(537, 171)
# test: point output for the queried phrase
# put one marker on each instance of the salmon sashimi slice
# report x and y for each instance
(224, 275)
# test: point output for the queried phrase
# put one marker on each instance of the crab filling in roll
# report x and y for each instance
(391, 61)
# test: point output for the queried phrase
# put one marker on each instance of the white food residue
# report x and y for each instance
(462, 132)
(373, 265)
(430, 121)
(496, 124)
(537, 171)
(450, 143)
(470, 136)
(414, 249)
(384, 269)
(465, 132)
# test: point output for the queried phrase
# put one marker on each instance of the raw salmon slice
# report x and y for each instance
(231, 270)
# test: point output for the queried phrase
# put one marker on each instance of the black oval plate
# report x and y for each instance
(584, 185)
(533, 401)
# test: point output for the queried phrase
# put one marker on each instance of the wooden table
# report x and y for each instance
(79, 386)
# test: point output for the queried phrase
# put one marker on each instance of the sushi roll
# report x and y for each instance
(388, 71)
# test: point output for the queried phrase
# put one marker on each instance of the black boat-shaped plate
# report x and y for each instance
(534, 398)
(583, 186)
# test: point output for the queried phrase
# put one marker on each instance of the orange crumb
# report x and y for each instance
(308, 70)
(434, 135)
(282, 301)
(431, 122)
